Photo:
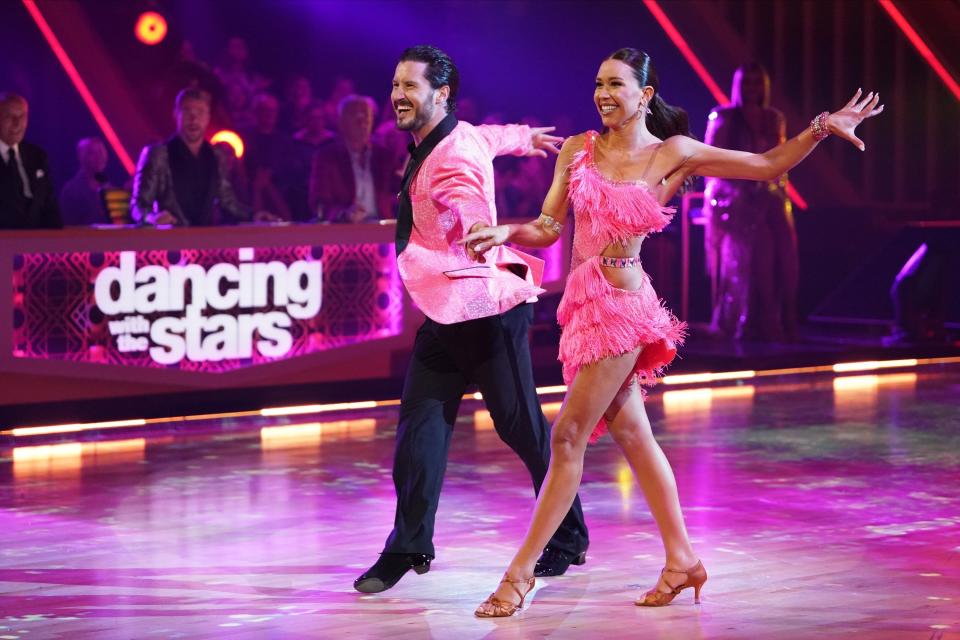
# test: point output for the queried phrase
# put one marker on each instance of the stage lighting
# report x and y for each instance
(231, 138)
(151, 28)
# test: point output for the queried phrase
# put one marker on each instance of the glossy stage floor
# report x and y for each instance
(822, 508)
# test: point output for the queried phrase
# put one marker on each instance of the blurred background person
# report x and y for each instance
(341, 88)
(751, 244)
(187, 71)
(353, 178)
(395, 141)
(80, 202)
(27, 199)
(277, 172)
(185, 180)
(314, 133)
(297, 99)
(240, 83)
(234, 70)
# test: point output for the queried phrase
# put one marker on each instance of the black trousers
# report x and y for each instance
(494, 353)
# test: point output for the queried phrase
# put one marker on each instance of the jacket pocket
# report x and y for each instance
(479, 271)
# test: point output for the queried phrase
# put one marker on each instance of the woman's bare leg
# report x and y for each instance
(590, 394)
(631, 431)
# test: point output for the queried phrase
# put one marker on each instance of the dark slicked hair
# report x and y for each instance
(441, 71)
(664, 120)
(192, 93)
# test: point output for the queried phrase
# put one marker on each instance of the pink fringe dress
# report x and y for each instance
(598, 319)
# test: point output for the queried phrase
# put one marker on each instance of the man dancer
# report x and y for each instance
(477, 315)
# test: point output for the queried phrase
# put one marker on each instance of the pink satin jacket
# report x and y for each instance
(452, 191)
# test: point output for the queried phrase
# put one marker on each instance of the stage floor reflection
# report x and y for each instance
(822, 508)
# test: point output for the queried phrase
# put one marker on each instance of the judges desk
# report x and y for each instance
(119, 323)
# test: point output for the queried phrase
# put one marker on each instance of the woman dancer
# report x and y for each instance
(750, 240)
(616, 333)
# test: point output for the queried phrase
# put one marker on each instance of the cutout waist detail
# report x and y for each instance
(620, 263)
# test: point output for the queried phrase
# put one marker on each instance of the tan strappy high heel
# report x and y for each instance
(695, 577)
(494, 607)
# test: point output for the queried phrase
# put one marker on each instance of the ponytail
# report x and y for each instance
(665, 120)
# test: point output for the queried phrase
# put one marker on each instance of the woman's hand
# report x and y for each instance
(482, 239)
(843, 122)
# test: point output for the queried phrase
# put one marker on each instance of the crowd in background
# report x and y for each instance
(307, 158)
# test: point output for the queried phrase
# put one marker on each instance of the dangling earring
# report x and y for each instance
(647, 109)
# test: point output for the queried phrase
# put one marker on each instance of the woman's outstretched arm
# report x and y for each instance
(704, 160)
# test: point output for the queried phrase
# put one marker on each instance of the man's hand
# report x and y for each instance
(161, 218)
(266, 216)
(542, 142)
(357, 214)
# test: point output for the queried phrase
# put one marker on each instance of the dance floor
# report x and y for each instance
(822, 508)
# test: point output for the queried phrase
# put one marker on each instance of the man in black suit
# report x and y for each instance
(184, 180)
(27, 198)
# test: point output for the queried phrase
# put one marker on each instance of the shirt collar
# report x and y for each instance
(4, 148)
(441, 131)
(360, 155)
(176, 144)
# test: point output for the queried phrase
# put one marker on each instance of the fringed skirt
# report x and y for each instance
(600, 321)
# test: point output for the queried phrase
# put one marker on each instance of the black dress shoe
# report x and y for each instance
(388, 570)
(554, 562)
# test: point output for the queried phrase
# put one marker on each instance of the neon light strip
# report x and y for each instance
(921, 47)
(705, 76)
(69, 428)
(691, 378)
(80, 85)
(694, 378)
(317, 408)
(873, 365)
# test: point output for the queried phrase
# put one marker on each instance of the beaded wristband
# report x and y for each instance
(819, 125)
(548, 222)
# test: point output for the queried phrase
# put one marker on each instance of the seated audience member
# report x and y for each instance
(353, 179)
(314, 133)
(394, 140)
(184, 70)
(27, 200)
(239, 111)
(234, 70)
(80, 197)
(184, 181)
(342, 87)
(298, 96)
(278, 174)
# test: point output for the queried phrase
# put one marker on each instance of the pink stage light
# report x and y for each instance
(921, 46)
(686, 51)
(151, 28)
(80, 85)
(705, 76)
